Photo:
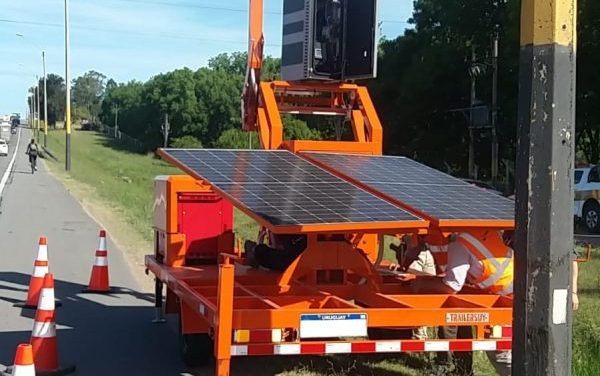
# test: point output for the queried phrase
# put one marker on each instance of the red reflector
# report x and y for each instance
(363, 347)
(503, 345)
(312, 348)
(260, 350)
(408, 346)
(260, 336)
(461, 346)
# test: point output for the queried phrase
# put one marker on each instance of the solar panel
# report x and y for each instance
(286, 190)
(437, 195)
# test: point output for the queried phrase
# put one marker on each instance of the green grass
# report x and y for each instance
(586, 329)
(123, 181)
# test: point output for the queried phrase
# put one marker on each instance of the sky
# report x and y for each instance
(135, 39)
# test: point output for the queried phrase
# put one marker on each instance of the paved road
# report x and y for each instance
(5, 160)
(101, 335)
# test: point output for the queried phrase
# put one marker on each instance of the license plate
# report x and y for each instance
(333, 325)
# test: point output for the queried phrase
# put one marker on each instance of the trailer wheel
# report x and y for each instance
(196, 348)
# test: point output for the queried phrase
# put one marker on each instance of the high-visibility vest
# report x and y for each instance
(496, 259)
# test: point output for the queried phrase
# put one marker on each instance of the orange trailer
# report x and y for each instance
(339, 294)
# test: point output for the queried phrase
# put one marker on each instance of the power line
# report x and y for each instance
(3, 20)
(149, 34)
(197, 6)
(225, 9)
(160, 35)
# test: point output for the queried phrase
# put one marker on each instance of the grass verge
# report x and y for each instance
(115, 186)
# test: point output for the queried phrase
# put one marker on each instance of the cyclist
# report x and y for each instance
(32, 152)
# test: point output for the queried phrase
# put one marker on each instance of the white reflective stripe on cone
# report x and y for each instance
(46, 301)
(102, 244)
(101, 261)
(42, 253)
(44, 329)
(40, 271)
(28, 370)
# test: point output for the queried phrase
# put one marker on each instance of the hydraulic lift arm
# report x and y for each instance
(253, 69)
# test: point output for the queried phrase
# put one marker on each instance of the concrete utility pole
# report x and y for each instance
(39, 106)
(45, 101)
(495, 108)
(31, 110)
(545, 161)
(166, 128)
(68, 90)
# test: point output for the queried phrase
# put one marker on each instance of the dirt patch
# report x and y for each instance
(129, 241)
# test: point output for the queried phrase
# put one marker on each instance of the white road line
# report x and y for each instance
(10, 165)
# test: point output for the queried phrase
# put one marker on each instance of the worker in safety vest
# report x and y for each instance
(481, 259)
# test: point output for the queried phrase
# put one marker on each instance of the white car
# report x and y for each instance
(3, 147)
(587, 197)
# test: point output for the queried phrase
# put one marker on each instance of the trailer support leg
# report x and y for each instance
(159, 317)
(224, 318)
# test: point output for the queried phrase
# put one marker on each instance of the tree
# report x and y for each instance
(588, 81)
(235, 138)
(234, 64)
(88, 93)
(296, 129)
(424, 76)
(186, 142)
(55, 86)
(126, 100)
(172, 94)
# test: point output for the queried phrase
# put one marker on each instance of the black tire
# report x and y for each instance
(591, 217)
(196, 349)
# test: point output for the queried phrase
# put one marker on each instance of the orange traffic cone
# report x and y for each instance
(23, 365)
(40, 268)
(99, 278)
(43, 335)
